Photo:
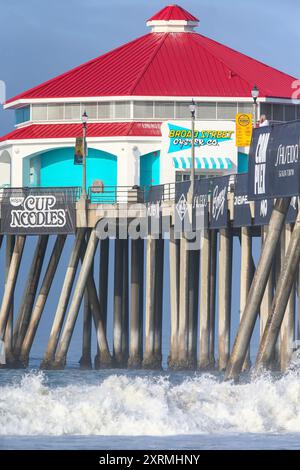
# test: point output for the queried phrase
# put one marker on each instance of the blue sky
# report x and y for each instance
(41, 39)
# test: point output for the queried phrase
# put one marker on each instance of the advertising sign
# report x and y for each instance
(219, 202)
(78, 155)
(37, 214)
(244, 129)
(242, 213)
(214, 144)
(274, 161)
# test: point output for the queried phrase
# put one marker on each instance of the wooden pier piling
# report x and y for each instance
(225, 275)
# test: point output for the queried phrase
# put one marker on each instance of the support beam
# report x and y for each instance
(64, 342)
(225, 279)
(8, 338)
(212, 296)
(11, 283)
(29, 295)
(174, 297)
(48, 361)
(103, 287)
(246, 278)
(205, 278)
(288, 323)
(86, 359)
(136, 313)
(149, 359)
(125, 305)
(158, 310)
(257, 289)
(120, 302)
(183, 360)
(41, 299)
(268, 294)
(281, 297)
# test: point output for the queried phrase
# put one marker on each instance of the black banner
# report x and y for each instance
(24, 212)
(242, 212)
(201, 202)
(274, 167)
(262, 211)
(219, 203)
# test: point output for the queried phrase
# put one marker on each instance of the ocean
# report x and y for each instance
(120, 409)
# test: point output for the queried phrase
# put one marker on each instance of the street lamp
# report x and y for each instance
(84, 120)
(193, 117)
(255, 95)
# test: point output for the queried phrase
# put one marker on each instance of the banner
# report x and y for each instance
(244, 129)
(25, 213)
(242, 212)
(78, 155)
(262, 211)
(219, 202)
(274, 162)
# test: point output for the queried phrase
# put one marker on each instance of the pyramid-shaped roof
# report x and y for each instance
(167, 64)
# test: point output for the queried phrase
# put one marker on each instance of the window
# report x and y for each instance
(55, 112)
(90, 109)
(289, 112)
(226, 110)
(72, 111)
(183, 110)
(206, 110)
(22, 114)
(164, 109)
(122, 110)
(143, 109)
(246, 108)
(278, 112)
(39, 112)
(104, 110)
(266, 108)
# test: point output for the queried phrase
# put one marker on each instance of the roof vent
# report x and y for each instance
(172, 19)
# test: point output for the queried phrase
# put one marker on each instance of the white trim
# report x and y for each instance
(93, 99)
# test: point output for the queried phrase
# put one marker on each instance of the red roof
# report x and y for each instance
(60, 131)
(173, 12)
(167, 64)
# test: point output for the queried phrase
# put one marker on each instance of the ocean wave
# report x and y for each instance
(126, 405)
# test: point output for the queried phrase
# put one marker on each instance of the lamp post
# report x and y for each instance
(193, 116)
(255, 95)
(84, 119)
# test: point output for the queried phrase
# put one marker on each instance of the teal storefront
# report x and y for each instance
(56, 168)
(150, 169)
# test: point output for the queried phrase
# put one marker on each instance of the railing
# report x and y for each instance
(62, 194)
(116, 194)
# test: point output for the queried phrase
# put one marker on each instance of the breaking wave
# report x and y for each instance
(124, 405)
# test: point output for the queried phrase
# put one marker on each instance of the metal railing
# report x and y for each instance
(62, 194)
(116, 194)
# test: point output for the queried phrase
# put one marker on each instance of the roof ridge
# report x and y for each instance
(145, 68)
(64, 74)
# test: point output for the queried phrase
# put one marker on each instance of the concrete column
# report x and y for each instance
(174, 254)
(158, 310)
(63, 346)
(136, 313)
(41, 299)
(125, 305)
(246, 278)
(183, 360)
(11, 283)
(118, 303)
(288, 323)
(86, 359)
(225, 279)
(281, 298)
(29, 294)
(212, 296)
(257, 289)
(8, 338)
(204, 351)
(48, 361)
(149, 359)
(266, 302)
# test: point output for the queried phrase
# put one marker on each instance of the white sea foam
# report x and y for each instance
(124, 405)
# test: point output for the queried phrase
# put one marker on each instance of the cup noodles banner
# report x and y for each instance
(37, 214)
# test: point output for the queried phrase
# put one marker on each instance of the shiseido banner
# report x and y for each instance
(274, 167)
(26, 213)
(242, 213)
(219, 203)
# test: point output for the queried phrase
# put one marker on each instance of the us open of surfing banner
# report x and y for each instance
(34, 214)
(274, 166)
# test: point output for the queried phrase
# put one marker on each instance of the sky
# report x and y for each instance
(41, 39)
